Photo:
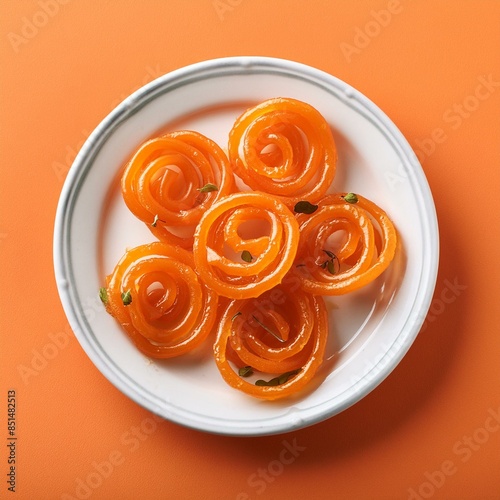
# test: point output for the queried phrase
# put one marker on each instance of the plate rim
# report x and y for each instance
(141, 97)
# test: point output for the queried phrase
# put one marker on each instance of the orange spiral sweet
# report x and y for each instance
(156, 296)
(165, 183)
(245, 244)
(343, 246)
(283, 332)
(284, 147)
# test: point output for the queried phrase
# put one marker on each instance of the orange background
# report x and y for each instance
(421, 64)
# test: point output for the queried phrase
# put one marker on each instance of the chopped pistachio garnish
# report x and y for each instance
(156, 220)
(350, 198)
(329, 264)
(330, 267)
(330, 254)
(267, 383)
(281, 379)
(127, 298)
(246, 256)
(268, 330)
(103, 295)
(208, 188)
(304, 207)
(245, 371)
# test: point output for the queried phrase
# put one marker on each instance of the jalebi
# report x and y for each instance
(284, 147)
(171, 180)
(282, 332)
(245, 244)
(158, 299)
(343, 245)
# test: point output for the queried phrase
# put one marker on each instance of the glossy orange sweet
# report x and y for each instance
(251, 222)
(171, 311)
(162, 184)
(284, 147)
(343, 246)
(284, 330)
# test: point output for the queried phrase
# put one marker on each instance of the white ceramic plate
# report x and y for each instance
(371, 330)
